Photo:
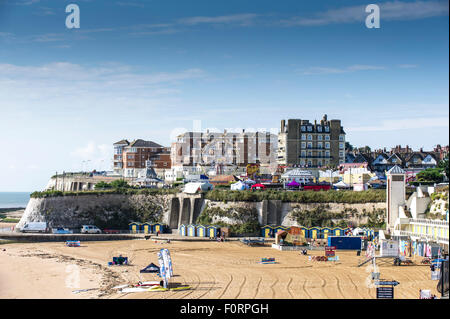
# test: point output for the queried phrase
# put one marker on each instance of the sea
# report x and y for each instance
(14, 199)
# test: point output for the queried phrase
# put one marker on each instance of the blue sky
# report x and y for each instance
(148, 69)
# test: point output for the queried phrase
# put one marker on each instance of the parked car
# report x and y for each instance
(34, 227)
(90, 229)
(61, 230)
(111, 231)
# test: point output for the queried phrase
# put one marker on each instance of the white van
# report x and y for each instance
(90, 229)
(34, 227)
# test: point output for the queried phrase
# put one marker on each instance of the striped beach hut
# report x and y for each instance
(158, 227)
(212, 231)
(192, 230)
(267, 231)
(135, 228)
(314, 232)
(183, 230)
(146, 228)
(201, 231)
(326, 231)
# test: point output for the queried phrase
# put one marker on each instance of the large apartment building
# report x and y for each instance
(224, 148)
(130, 157)
(312, 145)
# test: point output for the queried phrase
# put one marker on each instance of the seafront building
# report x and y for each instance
(311, 145)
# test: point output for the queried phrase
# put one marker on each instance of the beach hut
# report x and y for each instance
(314, 232)
(201, 231)
(183, 230)
(158, 227)
(278, 228)
(327, 231)
(147, 228)
(212, 231)
(192, 230)
(135, 228)
(267, 231)
(338, 231)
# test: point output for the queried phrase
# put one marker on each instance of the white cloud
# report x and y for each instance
(244, 19)
(396, 10)
(93, 156)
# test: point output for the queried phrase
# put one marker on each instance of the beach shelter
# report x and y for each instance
(278, 228)
(258, 186)
(183, 230)
(152, 268)
(239, 186)
(158, 227)
(212, 231)
(147, 228)
(192, 230)
(193, 188)
(201, 231)
(341, 184)
(135, 227)
(314, 232)
(267, 231)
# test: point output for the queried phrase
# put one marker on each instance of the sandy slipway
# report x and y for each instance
(229, 270)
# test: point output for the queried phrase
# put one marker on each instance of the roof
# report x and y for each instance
(142, 143)
(122, 142)
(396, 170)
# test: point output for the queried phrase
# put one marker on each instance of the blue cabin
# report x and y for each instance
(267, 231)
(338, 231)
(212, 231)
(326, 231)
(146, 228)
(191, 230)
(201, 231)
(183, 230)
(135, 228)
(158, 227)
(314, 232)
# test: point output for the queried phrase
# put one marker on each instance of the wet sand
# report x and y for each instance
(213, 270)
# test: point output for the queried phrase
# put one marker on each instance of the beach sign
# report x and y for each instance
(385, 292)
(330, 251)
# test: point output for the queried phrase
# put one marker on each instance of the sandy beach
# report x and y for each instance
(213, 270)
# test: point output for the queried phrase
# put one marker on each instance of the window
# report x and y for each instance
(130, 156)
(309, 145)
(309, 128)
(327, 128)
(327, 153)
(341, 146)
(303, 128)
(303, 144)
(327, 137)
(327, 145)
(341, 138)
(319, 163)
(319, 145)
(304, 137)
(309, 153)
(309, 137)
(341, 154)
(319, 128)
(320, 137)
(303, 154)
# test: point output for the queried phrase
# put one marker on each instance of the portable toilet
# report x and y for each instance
(183, 230)
(147, 228)
(135, 227)
(191, 230)
(327, 231)
(201, 231)
(267, 231)
(314, 232)
(158, 227)
(212, 231)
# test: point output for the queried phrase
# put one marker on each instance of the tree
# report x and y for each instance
(348, 147)
(120, 183)
(443, 166)
(430, 175)
(102, 185)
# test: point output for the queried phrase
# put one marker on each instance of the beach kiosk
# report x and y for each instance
(183, 230)
(158, 227)
(212, 231)
(267, 231)
(201, 231)
(135, 228)
(191, 230)
(147, 228)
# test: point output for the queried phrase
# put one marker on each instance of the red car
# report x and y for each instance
(111, 231)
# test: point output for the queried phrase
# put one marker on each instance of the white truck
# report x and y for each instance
(34, 227)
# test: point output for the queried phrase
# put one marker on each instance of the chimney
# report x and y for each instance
(283, 125)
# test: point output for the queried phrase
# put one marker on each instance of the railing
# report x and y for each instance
(424, 236)
(428, 222)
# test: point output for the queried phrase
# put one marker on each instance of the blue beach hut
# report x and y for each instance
(338, 231)
(158, 227)
(326, 231)
(191, 230)
(267, 231)
(146, 228)
(201, 231)
(212, 231)
(314, 232)
(135, 227)
(183, 230)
